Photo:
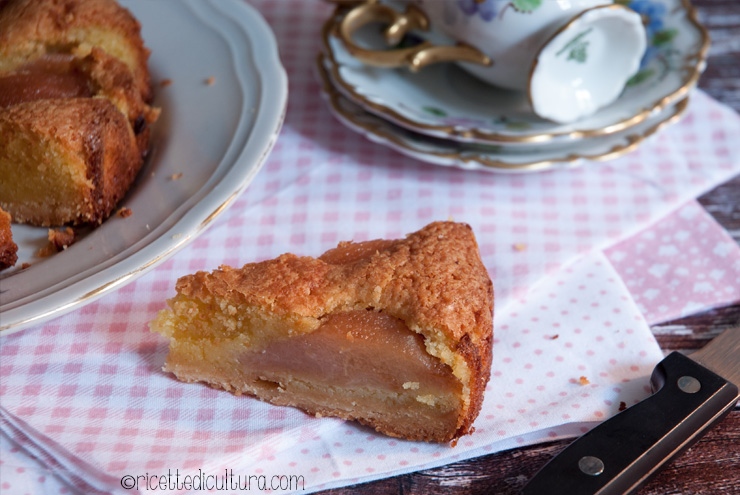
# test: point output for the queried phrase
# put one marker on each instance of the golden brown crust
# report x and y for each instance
(433, 280)
(312, 287)
(111, 79)
(8, 248)
(89, 129)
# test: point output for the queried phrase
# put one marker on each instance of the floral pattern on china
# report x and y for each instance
(488, 9)
(430, 102)
(661, 56)
(653, 13)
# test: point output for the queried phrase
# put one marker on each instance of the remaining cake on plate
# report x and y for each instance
(395, 334)
(74, 109)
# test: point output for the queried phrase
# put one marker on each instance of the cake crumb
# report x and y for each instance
(59, 240)
(125, 212)
(25, 265)
(210, 81)
(622, 406)
(583, 380)
(176, 176)
(553, 337)
(519, 246)
(165, 82)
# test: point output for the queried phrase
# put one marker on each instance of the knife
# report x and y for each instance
(690, 395)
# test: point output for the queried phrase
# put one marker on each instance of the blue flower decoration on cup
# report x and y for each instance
(486, 9)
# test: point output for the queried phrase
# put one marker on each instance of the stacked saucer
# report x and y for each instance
(445, 116)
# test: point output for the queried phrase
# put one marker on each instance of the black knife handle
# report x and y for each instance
(620, 454)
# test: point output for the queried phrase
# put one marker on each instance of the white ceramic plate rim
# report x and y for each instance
(256, 62)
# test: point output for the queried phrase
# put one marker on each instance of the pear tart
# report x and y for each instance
(74, 109)
(395, 334)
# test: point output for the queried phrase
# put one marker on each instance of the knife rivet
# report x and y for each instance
(689, 384)
(590, 465)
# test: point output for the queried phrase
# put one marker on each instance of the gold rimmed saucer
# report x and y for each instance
(445, 102)
(490, 157)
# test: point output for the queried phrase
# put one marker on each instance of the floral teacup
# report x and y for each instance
(572, 57)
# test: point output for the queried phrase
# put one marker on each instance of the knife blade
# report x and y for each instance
(690, 395)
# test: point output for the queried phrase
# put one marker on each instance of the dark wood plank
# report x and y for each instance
(713, 464)
(723, 202)
(722, 76)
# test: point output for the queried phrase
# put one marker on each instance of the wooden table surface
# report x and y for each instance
(713, 464)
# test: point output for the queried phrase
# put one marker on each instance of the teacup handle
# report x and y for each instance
(399, 24)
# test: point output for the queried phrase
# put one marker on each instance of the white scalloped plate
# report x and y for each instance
(490, 157)
(217, 136)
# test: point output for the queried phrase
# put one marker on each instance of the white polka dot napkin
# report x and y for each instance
(90, 399)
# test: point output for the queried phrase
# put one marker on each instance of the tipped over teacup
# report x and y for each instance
(571, 57)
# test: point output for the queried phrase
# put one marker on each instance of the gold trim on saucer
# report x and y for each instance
(692, 71)
(470, 159)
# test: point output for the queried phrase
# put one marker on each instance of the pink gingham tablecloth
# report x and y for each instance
(84, 394)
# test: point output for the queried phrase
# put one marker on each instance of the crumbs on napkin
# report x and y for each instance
(582, 380)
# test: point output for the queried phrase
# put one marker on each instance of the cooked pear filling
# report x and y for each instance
(356, 360)
(351, 349)
(366, 354)
(51, 76)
